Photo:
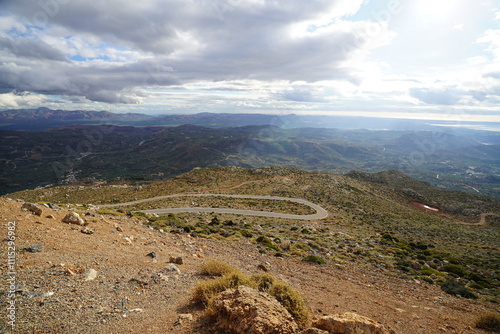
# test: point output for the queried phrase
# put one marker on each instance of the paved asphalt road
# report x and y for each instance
(320, 212)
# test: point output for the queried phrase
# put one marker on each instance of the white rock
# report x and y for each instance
(74, 218)
(89, 274)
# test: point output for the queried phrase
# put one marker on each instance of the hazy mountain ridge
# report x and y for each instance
(44, 118)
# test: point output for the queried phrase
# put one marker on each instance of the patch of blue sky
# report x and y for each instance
(79, 58)
(376, 11)
(380, 10)
(29, 32)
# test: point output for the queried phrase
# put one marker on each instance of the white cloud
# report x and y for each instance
(249, 55)
(491, 38)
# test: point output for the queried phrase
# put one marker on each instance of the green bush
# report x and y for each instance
(428, 279)
(480, 280)
(454, 260)
(314, 259)
(456, 269)
(109, 212)
(453, 287)
(246, 234)
(429, 272)
(266, 242)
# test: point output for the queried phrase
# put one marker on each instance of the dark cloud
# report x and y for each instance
(30, 48)
(179, 42)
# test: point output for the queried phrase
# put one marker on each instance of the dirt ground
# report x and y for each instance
(133, 293)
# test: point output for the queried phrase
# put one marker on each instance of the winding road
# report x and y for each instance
(320, 212)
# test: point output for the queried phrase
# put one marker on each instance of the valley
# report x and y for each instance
(93, 154)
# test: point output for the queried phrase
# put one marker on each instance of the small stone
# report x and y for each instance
(263, 267)
(33, 208)
(87, 230)
(158, 277)
(119, 228)
(74, 218)
(35, 248)
(136, 310)
(172, 268)
(39, 294)
(184, 318)
(176, 260)
(54, 206)
(89, 274)
(50, 217)
(21, 289)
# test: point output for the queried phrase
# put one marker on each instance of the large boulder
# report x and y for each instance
(351, 323)
(243, 310)
(33, 208)
(74, 218)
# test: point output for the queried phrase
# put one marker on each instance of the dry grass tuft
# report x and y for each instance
(489, 321)
(216, 268)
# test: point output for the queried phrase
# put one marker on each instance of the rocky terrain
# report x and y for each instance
(112, 273)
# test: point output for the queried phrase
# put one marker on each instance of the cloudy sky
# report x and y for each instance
(429, 59)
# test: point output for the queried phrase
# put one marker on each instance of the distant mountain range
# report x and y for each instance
(44, 118)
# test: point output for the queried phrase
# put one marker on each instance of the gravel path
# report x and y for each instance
(320, 212)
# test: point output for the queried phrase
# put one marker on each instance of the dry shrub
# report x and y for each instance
(216, 268)
(292, 301)
(205, 291)
(230, 277)
(263, 281)
(489, 321)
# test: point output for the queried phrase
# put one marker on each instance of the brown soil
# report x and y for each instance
(124, 299)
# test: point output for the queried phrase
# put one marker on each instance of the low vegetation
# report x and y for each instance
(372, 222)
(229, 277)
(489, 321)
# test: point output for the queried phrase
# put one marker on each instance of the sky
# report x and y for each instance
(420, 59)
